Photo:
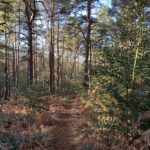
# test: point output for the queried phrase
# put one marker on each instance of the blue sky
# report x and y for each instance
(106, 2)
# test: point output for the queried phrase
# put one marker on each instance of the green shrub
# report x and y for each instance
(34, 96)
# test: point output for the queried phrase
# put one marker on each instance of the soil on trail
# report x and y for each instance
(65, 132)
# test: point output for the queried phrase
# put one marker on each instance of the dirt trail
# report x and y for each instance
(63, 126)
(65, 132)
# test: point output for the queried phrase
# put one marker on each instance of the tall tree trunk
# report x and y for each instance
(43, 63)
(36, 66)
(14, 61)
(6, 67)
(75, 49)
(30, 10)
(58, 55)
(35, 56)
(88, 46)
(62, 61)
(51, 51)
(18, 51)
(15, 51)
(30, 39)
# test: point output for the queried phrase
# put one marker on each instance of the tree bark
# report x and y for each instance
(62, 61)
(30, 50)
(18, 51)
(6, 67)
(51, 51)
(30, 10)
(88, 46)
(58, 54)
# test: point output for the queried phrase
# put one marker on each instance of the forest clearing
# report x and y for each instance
(74, 75)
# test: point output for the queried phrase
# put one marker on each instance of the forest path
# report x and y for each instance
(66, 132)
(62, 126)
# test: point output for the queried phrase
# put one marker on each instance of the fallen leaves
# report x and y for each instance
(44, 118)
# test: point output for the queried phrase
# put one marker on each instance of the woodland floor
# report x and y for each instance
(62, 126)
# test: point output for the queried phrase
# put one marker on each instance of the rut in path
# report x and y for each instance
(65, 131)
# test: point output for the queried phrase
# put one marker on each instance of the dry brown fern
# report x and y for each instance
(45, 119)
